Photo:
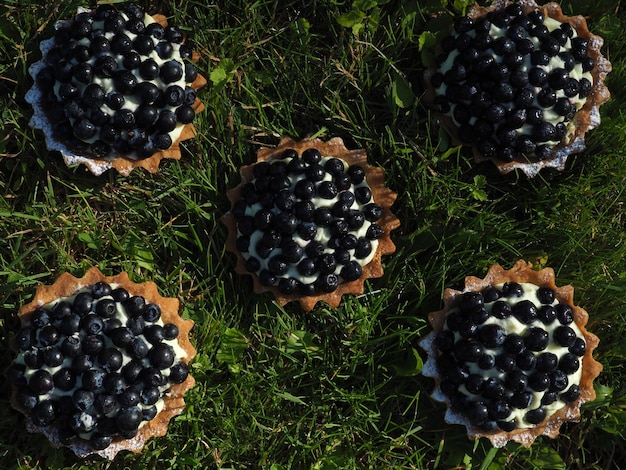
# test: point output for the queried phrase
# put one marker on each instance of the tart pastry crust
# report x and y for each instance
(521, 272)
(382, 196)
(587, 118)
(121, 163)
(174, 403)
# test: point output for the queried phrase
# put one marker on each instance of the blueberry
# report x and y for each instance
(477, 413)
(49, 335)
(128, 418)
(171, 71)
(149, 395)
(105, 66)
(45, 412)
(578, 347)
(539, 381)
(487, 362)
(162, 356)
(143, 44)
(164, 50)
(122, 337)
(166, 121)
(546, 97)
(588, 64)
(513, 343)
(71, 346)
(546, 314)
(351, 271)
(92, 324)
(125, 81)
(374, 232)
(499, 409)
(569, 363)
(70, 324)
(535, 416)
(544, 131)
(185, 114)
(546, 362)
(558, 380)
(115, 100)
(121, 43)
(253, 264)
(564, 313)
(536, 339)
(83, 399)
(505, 362)
(111, 359)
(525, 311)
(585, 87)
(131, 371)
(178, 373)
(61, 309)
(162, 141)
(571, 394)
(493, 388)
(327, 282)
(84, 129)
(516, 380)
(114, 22)
(564, 336)
(190, 75)
(124, 119)
(501, 310)
(524, 98)
(492, 335)
(92, 344)
(549, 398)
(526, 360)
(92, 379)
(151, 376)
(138, 349)
(564, 107)
(287, 286)
(521, 400)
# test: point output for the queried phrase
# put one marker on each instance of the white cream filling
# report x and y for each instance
(549, 114)
(179, 353)
(323, 234)
(131, 102)
(513, 325)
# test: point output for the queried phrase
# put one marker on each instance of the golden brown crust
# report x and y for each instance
(382, 196)
(521, 272)
(174, 403)
(587, 118)
(125, 165)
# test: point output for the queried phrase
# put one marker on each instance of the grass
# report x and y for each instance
(333, 388)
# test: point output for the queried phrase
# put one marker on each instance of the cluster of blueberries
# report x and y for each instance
(87, 373)
(499, 90)
(286, 194)
(523, 366)
(85, 57)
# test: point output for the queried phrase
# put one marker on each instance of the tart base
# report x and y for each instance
(587, 118)
(174, 403)
(521, 272)
(382, 196)
(122, 163)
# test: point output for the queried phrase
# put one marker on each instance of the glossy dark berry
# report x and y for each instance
(564, 313)
(526, 360)
(492, 335)
(571, 394)
(536, 339)
(569, 363)
(564, 336)
(546, 362)
(578, 347)
(525, 311)
(535, 416)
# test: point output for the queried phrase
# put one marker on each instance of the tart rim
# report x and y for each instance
(121, 163)
(173, 400)
(381, 195)
(585, 119)
(521, 272)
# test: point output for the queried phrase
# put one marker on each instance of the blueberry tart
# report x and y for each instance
(102, 363)
(115, 89)
(519, 83)
(511, 356)
(310, 221)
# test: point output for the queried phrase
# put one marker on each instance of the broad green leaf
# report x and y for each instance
(410, 365)
(364, 5)
(351, 18)
(401, 91)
